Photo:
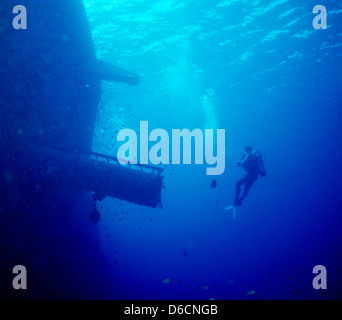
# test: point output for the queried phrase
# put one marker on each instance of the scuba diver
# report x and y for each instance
(251, 162)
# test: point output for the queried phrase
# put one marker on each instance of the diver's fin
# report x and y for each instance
(229, 208)
(106, 71)
(232, 207)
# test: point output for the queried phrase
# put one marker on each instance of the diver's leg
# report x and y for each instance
(250, 181)
(238, 186)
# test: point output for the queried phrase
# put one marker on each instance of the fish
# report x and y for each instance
(167, 280)
(250, 293)
(213, 184)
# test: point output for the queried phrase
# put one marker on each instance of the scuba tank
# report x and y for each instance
(260, 161)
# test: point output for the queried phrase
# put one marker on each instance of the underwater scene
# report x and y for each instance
(171, 150)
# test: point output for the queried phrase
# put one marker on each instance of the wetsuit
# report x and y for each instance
(251, 166)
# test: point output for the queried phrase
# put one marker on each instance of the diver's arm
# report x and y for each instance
(241, 163)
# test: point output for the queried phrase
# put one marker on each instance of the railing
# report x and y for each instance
(156, 170)
(109, 159)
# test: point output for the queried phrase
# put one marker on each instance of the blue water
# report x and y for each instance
(257, 69)
(260, 71)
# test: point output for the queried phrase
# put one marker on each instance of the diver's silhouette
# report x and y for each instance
(252, 163)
